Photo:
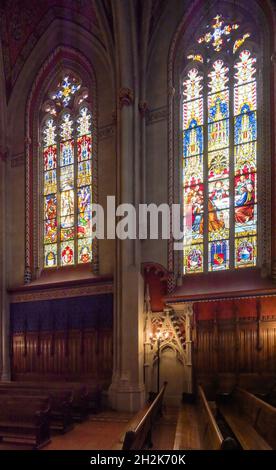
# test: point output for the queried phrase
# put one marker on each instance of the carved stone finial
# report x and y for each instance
(147, 304)
(143, 108)
(126, 97)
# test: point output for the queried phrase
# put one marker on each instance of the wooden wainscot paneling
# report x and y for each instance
(67, 339)
(234, 338)
(71, 359)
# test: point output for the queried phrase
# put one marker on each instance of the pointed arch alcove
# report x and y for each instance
(63, 61)
(184, 52)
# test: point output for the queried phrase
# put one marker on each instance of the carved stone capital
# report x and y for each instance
(126, 97)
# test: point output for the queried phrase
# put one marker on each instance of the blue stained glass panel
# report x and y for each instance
(218, 106)
(219, 255)
(67, 153)
(193, 141)
(245, 126)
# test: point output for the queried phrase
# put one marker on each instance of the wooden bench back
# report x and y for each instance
(266, 425)
(22, 409)
(262, 416)
(209, 430)
(78, 388)
(246, 404)
(56, 396)
(135, 438)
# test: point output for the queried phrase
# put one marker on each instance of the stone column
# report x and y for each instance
(5, 347)
(272, 69)
(4, 307)
(127, 390)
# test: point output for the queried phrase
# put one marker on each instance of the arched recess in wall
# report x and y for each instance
(185, 43)
(63, 61)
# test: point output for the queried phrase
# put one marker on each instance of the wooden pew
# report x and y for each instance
(270, 396)
(79, 402)
(210, 434)
(139, 430)
(25, 420)
(252, 421)
(86, 396)
(60, 400)
(69, 400)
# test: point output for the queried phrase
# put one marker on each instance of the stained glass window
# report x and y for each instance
(67, 180)
(219, 125)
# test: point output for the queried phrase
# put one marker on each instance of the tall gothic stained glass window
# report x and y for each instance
(219, 125)
(67, 171)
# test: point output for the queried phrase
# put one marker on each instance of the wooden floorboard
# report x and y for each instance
(164, 431)
(187, 431)
(99, 432)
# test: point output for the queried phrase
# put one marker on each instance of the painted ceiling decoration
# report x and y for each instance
(23, 22)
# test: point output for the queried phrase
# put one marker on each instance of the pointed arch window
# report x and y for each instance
(219, 125)
(66, 133)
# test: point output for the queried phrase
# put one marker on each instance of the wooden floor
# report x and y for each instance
(164, 432)
(99, 432)
(187, 431)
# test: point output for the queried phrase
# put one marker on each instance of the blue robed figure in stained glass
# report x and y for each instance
(245, 126)
(193, 139)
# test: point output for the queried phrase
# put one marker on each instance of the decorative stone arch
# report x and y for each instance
(261, 18)
(62, 58)
(174, 348)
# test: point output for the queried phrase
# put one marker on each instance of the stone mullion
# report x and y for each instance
(75, 165)
(231, 169)
(58, 200)
(205, 172)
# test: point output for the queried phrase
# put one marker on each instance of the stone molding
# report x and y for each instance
(61, 293)
(157, 115)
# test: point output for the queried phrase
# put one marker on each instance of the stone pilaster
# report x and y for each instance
(4, 312)
(127, 391)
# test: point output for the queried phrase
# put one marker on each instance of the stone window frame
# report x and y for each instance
(62, 58)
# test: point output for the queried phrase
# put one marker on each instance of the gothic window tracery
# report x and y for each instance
(219, 126)
(66, 135)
